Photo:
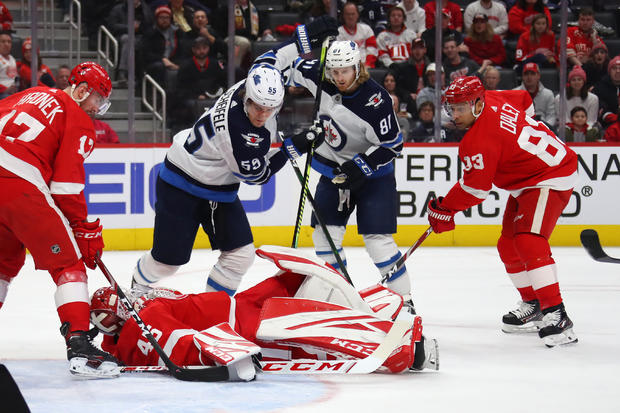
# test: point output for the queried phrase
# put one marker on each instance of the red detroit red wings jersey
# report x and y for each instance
(519, 99)
(44, 139)
(506, 148)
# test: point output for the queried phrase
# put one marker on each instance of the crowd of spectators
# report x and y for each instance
(182, 44)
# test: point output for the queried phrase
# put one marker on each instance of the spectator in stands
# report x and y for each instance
(44, 73)
(429, 36)
(485, 47)
(608, 91)
(612, 134)
(373, 14)
(104, 132)
(454, 14)
(117, 23)
(360, 33)
(182, 15)
(160, 46)
(425, 129)
(456, 65)
(201, 27)
(247, 30)
(394, 44)
(199, 78)
(390, 84)
(402, 116)
(317, 8)
(544, 101)
(596, 67)
(578, 130)
(94, 14)
(496, 12)
(62, 77)
(410, 74)
(427, 94)
(8, 66)
(581, 39)
(491, 78)
(415, 16)
(522, 14)
(537, 45)
(577, 95)
(6, 20)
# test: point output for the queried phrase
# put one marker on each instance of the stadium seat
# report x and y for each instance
(302, 111)
(260, 47)
(507, 79)
(550, 78)
(278, 18)
(378, 74)
(269, 5)
(613, 46)
(606, 18)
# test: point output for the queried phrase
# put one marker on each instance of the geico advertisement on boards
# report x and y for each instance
(120, 188)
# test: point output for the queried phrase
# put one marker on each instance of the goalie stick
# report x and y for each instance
(401, 261)
(366, 365)
(592, 244)
(209, 374)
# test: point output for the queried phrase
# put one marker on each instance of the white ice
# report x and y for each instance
(461, 294)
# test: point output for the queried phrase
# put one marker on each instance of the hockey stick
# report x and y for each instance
(401, 261)
(366, 365)
(219, 373)
(310, 154)
(322, 224)
(592, 244)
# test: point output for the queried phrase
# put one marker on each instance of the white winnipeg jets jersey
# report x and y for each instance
(362, 122)
(221, 150)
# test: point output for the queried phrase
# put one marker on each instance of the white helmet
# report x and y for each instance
(343, 53)
(264, 86)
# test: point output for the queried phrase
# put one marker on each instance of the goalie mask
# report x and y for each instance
(107, 313)
(463, 94)
(343, 53)
(264, 86)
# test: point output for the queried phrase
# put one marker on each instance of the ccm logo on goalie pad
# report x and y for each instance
(312, 365)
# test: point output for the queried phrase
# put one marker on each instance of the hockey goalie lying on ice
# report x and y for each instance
(304, 313)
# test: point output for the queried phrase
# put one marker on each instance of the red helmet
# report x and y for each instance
(464, 89)
(106, 311)
(93, 74)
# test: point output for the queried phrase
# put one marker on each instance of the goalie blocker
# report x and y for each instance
(306, 312)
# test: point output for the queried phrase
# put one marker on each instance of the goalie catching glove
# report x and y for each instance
(297, 145)
(440, 219)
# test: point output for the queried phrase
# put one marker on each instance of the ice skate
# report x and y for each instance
(557, 328)
(408, 304)
(426, 355)
(86, 360)
(527, 318)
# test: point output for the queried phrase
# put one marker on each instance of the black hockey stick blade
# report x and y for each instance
(206, 374)
(592, 244)
(11, 397)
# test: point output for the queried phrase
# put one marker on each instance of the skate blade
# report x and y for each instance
(562, 339)
(79, 368)
(432, 357)
(531, 327)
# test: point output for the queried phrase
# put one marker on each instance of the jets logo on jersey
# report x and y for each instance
(375, 100)
(334, 135)
(252, 139)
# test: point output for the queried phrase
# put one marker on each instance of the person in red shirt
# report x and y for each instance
(45, 136)
(612, 134)
(506, 148)
(6, 20)
(456, 16)
(104, 132)
(537, 45)
(484, 45)
(521, 15)
(44, 73)
(581, 39)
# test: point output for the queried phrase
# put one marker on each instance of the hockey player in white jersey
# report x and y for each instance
(362, 139)
(199, 179)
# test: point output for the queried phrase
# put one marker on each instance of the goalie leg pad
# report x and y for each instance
(383, 301)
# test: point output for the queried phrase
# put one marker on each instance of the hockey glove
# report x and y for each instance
(312, 34)
(352, 174)
(89, 240)
(441, 220)
(297, 145)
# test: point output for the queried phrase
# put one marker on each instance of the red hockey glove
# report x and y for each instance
(441, 219)
(89, 240)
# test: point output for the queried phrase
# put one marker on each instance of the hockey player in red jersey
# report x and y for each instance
(288, 315)
(506, 148)
(45, 136)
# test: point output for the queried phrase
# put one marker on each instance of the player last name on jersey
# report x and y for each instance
(46, 103)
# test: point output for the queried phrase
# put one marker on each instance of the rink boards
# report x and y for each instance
(120, 190)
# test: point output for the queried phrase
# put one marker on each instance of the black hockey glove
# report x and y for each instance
(352, 174)
(312, 34)
(297, 145)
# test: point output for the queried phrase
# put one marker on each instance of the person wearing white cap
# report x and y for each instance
(498, 17)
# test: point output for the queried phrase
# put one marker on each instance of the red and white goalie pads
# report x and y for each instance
(224, 346)
(331, 331)
(322, 282)
(383, 301)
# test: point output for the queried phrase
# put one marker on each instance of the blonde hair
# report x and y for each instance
(361, 79)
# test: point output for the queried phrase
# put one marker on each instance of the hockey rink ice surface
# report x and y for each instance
(461, 294)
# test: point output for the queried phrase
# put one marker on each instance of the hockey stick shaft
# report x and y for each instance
(204, 374)
(343, 268)
(401, 261)
(592, 244)
(310, 154)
